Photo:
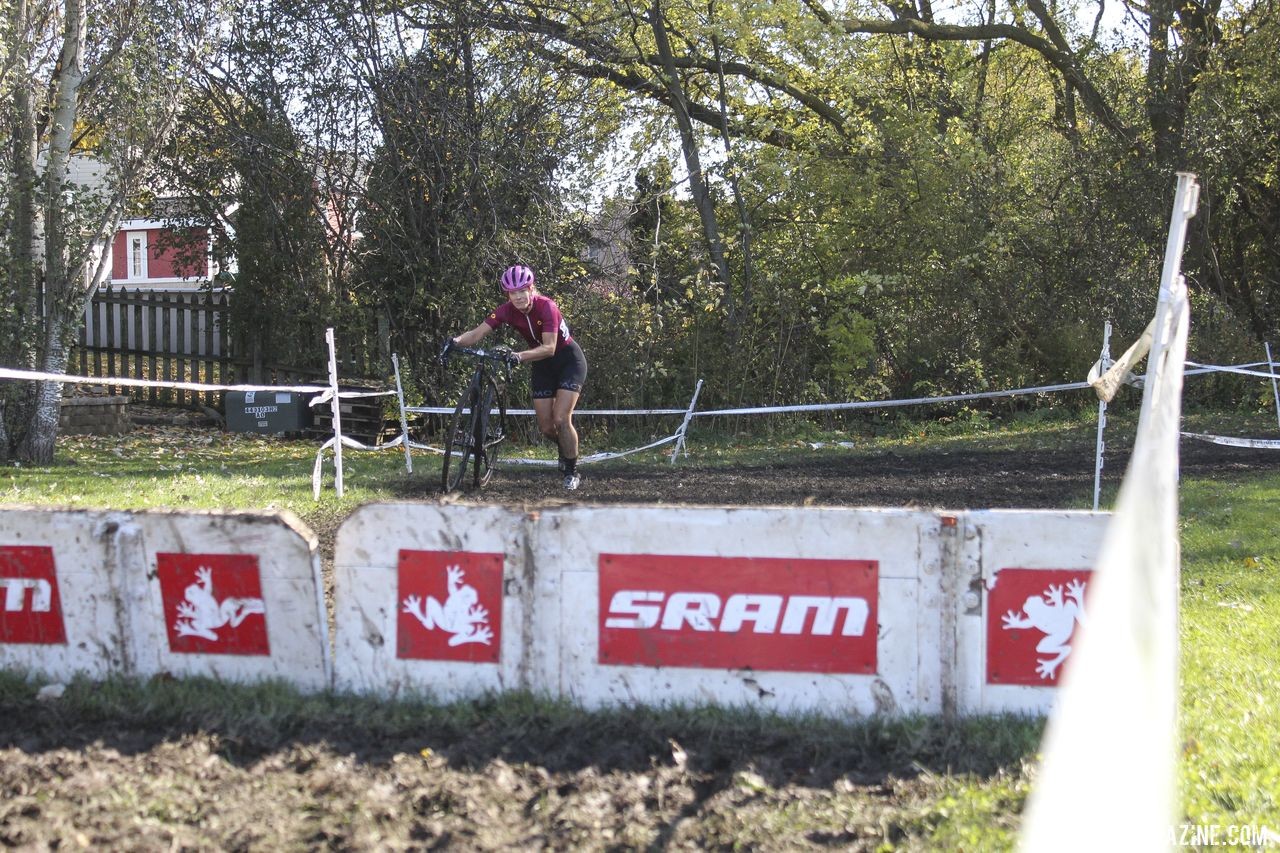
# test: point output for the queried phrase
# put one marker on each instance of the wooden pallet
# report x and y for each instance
(362, 418)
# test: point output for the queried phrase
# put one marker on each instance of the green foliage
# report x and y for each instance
(849, 337)
(945, 252)
(1234, 144)
(283, 300)
(924, 216)
(464, 184)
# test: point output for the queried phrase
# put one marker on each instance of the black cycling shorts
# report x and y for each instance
(566, 370)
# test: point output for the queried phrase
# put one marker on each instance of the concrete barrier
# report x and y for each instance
(59, 609)
(1029, 574)
(432, 600)
(235, 596)
(845, 612)
(788, 609)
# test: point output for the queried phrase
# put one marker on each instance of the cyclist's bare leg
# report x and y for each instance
(542, 408)
(562, 417)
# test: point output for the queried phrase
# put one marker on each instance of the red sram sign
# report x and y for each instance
(30, 607)
(739, 613)
(1032, 617)
(213, 603)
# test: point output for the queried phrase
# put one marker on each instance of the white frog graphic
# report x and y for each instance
(1055, 618)
(460, 615)
(201, 614)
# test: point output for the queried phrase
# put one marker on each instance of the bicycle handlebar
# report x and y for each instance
(498, 355)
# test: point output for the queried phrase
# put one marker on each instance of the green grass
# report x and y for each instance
(230, 471)
(1231, 651)
(975, 774)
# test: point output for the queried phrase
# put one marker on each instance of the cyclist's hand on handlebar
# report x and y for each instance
(513, 359)
(445, 348)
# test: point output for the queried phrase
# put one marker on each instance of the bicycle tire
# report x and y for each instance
(459, 438)
(491, 431)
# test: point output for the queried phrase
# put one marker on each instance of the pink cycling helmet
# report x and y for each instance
(517, 278)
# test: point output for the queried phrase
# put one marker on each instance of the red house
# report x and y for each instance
(165, 249)
(157, 255)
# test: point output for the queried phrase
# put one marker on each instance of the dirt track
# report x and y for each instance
(1037, 479)
(534, 780)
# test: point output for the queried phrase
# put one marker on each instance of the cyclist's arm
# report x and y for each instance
(545, 350)
(473, 337)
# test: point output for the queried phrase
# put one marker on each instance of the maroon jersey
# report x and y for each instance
(543, 316)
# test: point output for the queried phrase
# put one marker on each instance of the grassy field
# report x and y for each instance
(1231, 651)
(957, 786)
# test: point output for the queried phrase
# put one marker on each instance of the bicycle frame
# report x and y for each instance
(472, 435)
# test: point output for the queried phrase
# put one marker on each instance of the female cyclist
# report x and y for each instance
(559, 367)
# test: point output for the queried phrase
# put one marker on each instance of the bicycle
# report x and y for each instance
(474, 434)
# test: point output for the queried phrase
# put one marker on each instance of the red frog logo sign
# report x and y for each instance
(213, 603)
(449, 606)
(30, 607)
(1032, 616)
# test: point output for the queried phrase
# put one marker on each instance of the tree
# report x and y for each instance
(475, 138)
(1234, 129)
(689, 144)
(277, 203)
(95, 83)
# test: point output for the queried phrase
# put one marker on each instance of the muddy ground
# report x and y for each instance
(1045, 478)
(235, 771)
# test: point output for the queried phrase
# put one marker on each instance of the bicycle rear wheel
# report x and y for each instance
(491, 431)
(458, 442)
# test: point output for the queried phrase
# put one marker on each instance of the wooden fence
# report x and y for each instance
(159, 336)
(180, 337)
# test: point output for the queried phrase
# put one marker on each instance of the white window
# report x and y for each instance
(135, 247)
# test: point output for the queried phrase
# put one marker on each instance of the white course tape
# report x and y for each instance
(324, 392)
(347, 395)
(595, 457)
(951, 398)
(1242, 370)
(881, 404)
(1120, 372)
(440, 410)
(38, 376)
(1259, 443)
(585, 460)
(859, 404)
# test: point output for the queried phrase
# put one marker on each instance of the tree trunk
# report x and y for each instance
(697, 181)
(16, 343)
(65, 106)
(38, 442)
(1160, 109)
(23, 232)
(744, 219)
(62, 294)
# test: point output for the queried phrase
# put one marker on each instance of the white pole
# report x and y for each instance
(335, 406)
(1102, 417)
(404, 423)
(1117, 704)
(688, 416)
(1275, 389)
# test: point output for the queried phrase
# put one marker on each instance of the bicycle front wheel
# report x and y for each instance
(492, 431)
(458, 442)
